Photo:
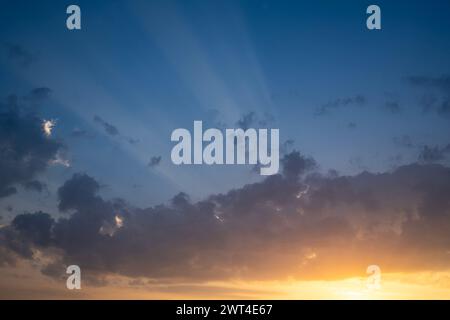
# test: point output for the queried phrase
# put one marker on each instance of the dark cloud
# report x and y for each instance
(287, 226)
(180, 200)
(214, 118)
(253, 120)
(395, 160)
(19, 55)
(266, 120)
(357, 100)
(246, 121)
(154, 161)
(295, 165)
(287, 146)
(439, 105)
(34, 227)
(109, 128)
(78, 192)
(437, 96)
(133, 141)
(430, 154)
(25, 149)
(35, 185)
(428, 102)
(357, 162)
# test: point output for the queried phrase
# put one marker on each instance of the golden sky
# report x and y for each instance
(26, 282)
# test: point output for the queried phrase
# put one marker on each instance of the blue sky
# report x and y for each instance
(149, 67)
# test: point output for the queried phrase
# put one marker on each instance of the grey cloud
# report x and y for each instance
(264, 230)
(180, 200)
(357, 100)
(35, 227)
(286, 146)
(154, 161)
(431, 103)
(35, 185)
(246, 121)
(295, 165)
(133, 141)
(440, 82)
(81, 133)
(25, 150)
(19, 54)
(78, 192)
(428, 102)
(357, 162)
(254, 120)
(430, 154)
(39, 94)
(109, 128)
(437, 97)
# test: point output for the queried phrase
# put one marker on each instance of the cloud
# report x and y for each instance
(430, 154)
(246, 121)
(35, 185)
(357, 162)
(357, 100)
(437, 97)
(109, 128)
(132, 140)
(295, 165)
(441, 82)
(77, 193)
(287, 146)
(34, 227)
(440, 106)
(19, 55)
(26, 150)
(38, 95)
(287, 226)
(113, 131)
(154, 161)
(253, 120)
(81, 133)
(404, 141)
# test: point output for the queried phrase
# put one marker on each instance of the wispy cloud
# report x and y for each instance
(358, 100)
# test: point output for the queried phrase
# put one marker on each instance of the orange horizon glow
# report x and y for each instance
(26, 283)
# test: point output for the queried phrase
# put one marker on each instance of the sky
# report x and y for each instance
(86, 175)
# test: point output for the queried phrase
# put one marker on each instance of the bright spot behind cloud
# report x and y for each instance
(47, 126)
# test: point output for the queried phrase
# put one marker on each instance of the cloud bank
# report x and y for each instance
(290, 225)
